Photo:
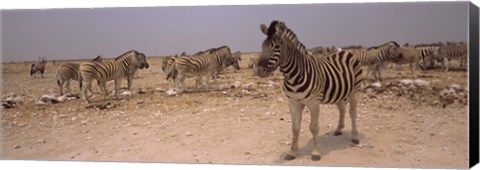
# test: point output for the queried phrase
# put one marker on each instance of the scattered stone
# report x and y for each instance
(135, 133)
(74, 118)
(16, 147)
(171, 92)
(40, 141)
(83, 122)
(188, 134)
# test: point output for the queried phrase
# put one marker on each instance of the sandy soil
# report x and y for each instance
(247, 122)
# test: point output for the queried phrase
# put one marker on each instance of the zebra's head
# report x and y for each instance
(271, 52)
(394, 51)
(141, 61)
(235, 59)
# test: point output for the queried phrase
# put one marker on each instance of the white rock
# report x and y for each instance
(126, 93)
(406, 82)
(420, 82)
(171, 92)
(455, 87)
(376, 85)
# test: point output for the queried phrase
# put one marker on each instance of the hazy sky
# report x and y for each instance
(160, 31)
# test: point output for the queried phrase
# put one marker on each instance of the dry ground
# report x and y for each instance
(400, 125)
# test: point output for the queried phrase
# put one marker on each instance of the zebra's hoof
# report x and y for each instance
(337, 133)
(288, 157)
(355, 141)
(316, 157)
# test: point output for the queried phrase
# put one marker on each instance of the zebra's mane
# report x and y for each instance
(380, 46)
(211, 50)
(289, 35)
(124, 54)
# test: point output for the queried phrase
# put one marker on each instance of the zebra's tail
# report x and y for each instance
(80, 79)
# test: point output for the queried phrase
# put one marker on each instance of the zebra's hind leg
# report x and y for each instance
(314, 111)
(85, 88)
(353, 116)
(117, 88)
(68, 87)
(296, 109)
(341, 118)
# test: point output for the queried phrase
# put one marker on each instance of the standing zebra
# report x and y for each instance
(374, 57)
(65, 73)
(38, 68)
(69, 71)
(409, 55)
(310, 81)
(454, 51)
(123, 66)
(203, 64)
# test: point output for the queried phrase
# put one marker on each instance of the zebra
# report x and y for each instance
(38, 68)
(428, 55)
(123, 66)
(202, 64)
(409, 55)
(310, 81)
(69, 71)
(66, 72)
(375, 57)
(454, 51)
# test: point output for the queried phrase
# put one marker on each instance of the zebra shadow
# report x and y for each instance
(327, 144)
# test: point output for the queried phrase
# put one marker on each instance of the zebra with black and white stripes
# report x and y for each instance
(123, 66)
(66, 72)
(451, 51)
(69, 71)
(375, 57)
(310, 81)
(203, 64)
(411, 56)
(428, 55)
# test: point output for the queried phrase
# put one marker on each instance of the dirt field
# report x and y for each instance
(401, 123)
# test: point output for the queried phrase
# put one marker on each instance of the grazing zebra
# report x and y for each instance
(123, 66)
(203, 64)
(310, 81)
(374, 57)
(69, 71)
(428, 54)
(411, 56)
(454, 51)
(65, 73)
(38, 68)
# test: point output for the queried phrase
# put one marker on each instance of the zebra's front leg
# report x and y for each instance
(353, 116)
(103, 89)
(341, 118)
(129, 82)
(314, 111)
(117, 88)
(412, 68)
(296, 109)
(85, 89)
(68, 87)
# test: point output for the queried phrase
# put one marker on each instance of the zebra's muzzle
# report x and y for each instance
(144, 66)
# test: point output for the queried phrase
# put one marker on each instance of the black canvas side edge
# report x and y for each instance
(473, 77)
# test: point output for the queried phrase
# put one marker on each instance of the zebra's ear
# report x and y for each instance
(264, 29)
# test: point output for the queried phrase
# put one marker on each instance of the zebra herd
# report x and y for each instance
(333, 76)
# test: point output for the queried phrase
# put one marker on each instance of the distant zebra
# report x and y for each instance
(374, 57)
(411, 56)
(310, 81)
(69, 71)
(428, 55)
(123, 66)
(38, 68)
(203, 64)
(454, 51)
